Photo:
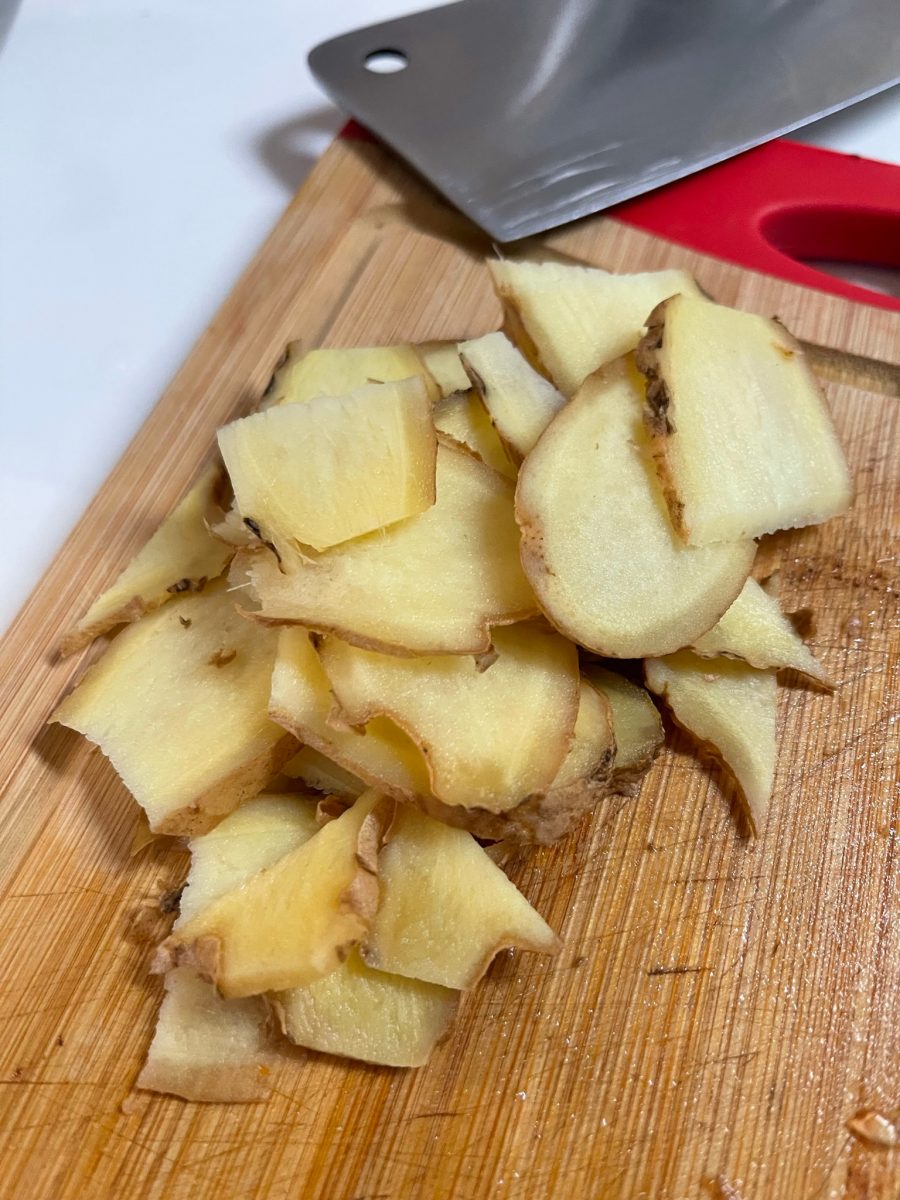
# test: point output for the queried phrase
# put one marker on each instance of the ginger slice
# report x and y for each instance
(569, 320)
(597, 545)
(730, 708)
(521, 403)
(179, 705)
(434, 584)
(742, 435)
(335, 468)
(181, 556)
(295, 921)
(446, 908)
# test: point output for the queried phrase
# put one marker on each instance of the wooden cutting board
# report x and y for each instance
(721, 1008)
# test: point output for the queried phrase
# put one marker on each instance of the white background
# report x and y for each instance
(146, 148)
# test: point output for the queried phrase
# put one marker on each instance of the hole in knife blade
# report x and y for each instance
(386, 61)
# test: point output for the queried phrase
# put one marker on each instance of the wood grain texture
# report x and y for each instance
(721, 1007)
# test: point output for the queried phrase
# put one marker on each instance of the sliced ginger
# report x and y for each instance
(434, 584)
(756, 630)
(179, 705)
(597, 546)
(205, 1047)
(334, 468)
(294, 922)
(742, 436)
(382, 754)
(592, 746)
(358, 1012)
(373, 521)
(446, 908)
(464, 418)
(520, 402)
(443, 364)
(181, 556)
(582, 781)
(491, 737)
(730, 708)
(637, 727)
(570, 320)
(246, 842)
(209, 1048)
(336, 371)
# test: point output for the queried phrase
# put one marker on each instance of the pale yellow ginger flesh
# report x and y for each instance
(574, 319)
(756, 630)
(205, 1047)
(181, 556)
(358, 1012)
(179, 705)
(464, 418)
(729, 708)
(742, 435)
(435, 530)
(295, 921)
(323, 774)
(229, 529)
(592, 745)
(434, 584)
(334, 468)
(247, 841)
(303, 375)
(446, 909)
(582, 781)
(491, 737)
(521, 403)
(382, 755)
(597, 545)
(443, 364)
(637, 726)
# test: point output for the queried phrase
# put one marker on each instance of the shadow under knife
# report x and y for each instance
(292, 148)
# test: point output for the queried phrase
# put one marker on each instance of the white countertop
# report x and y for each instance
(147, 147)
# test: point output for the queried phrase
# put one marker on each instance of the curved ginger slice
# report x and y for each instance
(520, 402)
(181, 556)
(570, 319)
(491, 736)
(335, 468)
(597, 545)
(742, 435)
(381, 755)
(729, 707)
(362, 1013)
(205, 1047)
(446, 908)
(178, 704)
(433, 584)
(636, 723)
(295, 921)
(756, 630)
(336, 370)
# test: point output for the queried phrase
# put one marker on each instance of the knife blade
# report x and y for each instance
(527, 114)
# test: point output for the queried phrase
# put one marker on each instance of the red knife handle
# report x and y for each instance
(779, 205)
(776, 207)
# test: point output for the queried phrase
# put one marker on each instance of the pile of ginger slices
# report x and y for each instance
(380, 635)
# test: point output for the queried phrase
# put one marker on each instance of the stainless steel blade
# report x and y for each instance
(529, 113)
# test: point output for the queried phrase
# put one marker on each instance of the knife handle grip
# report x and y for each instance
(780, 208)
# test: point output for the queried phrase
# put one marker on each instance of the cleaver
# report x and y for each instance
(526, 114)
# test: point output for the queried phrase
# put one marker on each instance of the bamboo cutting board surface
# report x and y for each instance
(721, 1007)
